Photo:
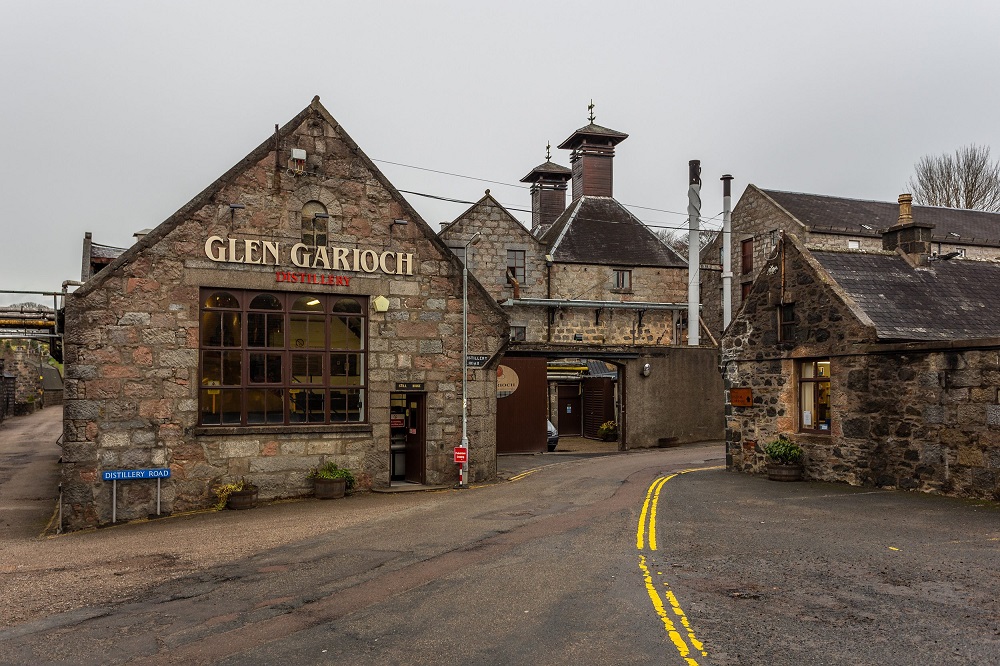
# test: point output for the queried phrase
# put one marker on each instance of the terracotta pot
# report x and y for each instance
(330, 488)
(781, 472)
(242, 499)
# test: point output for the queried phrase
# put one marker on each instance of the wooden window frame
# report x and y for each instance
(621, 279)
(518, 333)
(244, 370)
(516, 265)
(746, 256)
(786, 322)
(813, 383)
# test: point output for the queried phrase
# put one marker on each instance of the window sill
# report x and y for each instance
(346, 428)
(622, 291)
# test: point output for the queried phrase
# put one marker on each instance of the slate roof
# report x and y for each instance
(599, 230)
(947, 300)
(836, 214)
(98, 251)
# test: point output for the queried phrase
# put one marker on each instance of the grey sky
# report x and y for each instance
(114, 114)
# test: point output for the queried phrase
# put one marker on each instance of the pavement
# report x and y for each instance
(29, 472)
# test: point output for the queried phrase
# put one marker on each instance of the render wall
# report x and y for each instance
(132, 345)
(679, 402)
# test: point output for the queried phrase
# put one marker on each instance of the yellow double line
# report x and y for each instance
(647, 526)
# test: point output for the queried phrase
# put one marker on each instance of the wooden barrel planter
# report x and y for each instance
(330, 488)
(242, 499)
(779, 472)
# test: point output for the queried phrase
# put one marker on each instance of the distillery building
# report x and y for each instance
(296, 312)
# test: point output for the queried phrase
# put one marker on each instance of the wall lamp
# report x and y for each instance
(232, 210)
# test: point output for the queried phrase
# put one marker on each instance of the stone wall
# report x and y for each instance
(132, 342)
(918, 416)
(27, 369)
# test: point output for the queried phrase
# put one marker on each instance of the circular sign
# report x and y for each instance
(507, 381)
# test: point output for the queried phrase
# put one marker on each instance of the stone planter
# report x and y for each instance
(330, 488)
(781, 472)
(610, 437)
(242, 499)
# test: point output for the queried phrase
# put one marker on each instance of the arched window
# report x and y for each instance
(315, 224)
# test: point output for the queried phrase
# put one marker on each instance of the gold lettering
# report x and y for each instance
(404, 264)
(299, 256)
(321, 258)
(369, 261)
(270, 248)
(384, 266)
(340, 259)
(356, 253)
(210, 248)
(249, 248)
(232, 251)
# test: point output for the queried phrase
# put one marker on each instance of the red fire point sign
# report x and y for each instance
(461, 454)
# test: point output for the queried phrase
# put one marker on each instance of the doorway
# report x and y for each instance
(407, 437)
(570, 420)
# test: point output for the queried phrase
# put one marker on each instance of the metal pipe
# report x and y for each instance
(694, 250)
(570, 303)
(727, 251)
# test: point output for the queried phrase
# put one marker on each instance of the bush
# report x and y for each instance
(331, 471)
(783, 451)
(608, 428)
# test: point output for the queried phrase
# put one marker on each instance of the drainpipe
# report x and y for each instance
(694, 247)
(727, 251)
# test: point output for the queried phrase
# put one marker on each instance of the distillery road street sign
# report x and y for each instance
(476, 360)
(129, 474)
(461, 454)
(116, 475)
(409, 386)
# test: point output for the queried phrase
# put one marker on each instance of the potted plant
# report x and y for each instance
(784, 460)
(236, 495)
(608, 431)
(331, 481)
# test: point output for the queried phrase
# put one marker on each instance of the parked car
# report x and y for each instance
(553, 436)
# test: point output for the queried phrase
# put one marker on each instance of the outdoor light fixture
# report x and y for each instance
(233, 208)
(464, 473)
(646, 369)
(321, 215)
(400, 222)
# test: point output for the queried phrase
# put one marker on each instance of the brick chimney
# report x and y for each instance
(907, 236)
(548, 194)
(592, 158)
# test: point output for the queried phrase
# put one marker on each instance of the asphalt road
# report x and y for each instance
(612, 560)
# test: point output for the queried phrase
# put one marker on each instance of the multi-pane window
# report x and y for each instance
(814, 396)
(518, 333)
(515, 265)
(746, 249)
(621, 279)
(745, 289)
(278, 358)
(786, 322)
(315, 224)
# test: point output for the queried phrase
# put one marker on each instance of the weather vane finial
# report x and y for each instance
(548, 151)
(590, 107)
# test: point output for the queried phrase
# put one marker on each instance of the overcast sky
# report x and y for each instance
(114, 114)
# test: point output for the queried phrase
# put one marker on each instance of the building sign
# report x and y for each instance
(129, 474)
(461, 454)
(741, 397)
(476, 360)
(272, 253)
(409, 386)
(507, 381)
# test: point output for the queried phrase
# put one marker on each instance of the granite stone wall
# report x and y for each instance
(920, 416)
(132, 342)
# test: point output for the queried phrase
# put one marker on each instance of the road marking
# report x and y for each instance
(649, 507)
(518, 477)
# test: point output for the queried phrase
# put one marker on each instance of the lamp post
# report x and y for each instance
(464, 472)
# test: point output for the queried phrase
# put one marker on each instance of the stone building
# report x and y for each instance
(298, 311)
(592, 281)
(882, 363)
(834, 223)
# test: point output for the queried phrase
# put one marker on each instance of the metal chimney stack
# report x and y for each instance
(694, 251)
(727, 250)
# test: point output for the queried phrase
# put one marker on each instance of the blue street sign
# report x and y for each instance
(129, 474)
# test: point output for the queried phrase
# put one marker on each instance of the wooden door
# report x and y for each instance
(522, 409)
(569, 412)
(598, 404)
(415, 437)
